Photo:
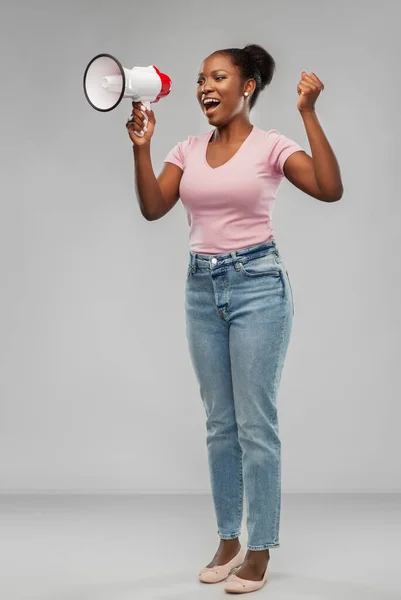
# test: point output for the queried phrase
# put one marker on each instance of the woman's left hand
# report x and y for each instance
(308, 90)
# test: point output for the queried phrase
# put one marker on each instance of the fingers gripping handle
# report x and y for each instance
(142, 133)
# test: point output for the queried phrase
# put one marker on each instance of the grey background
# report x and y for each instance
(97, 389)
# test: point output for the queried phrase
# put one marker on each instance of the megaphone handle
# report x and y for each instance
(142, 133)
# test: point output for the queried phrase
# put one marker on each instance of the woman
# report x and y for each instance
(239, 304)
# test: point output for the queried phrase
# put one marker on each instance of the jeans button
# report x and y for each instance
(214, 261)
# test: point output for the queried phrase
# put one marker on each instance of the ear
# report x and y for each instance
(250, 86)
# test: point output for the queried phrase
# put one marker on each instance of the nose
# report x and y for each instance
(206, 88)
(205, 92)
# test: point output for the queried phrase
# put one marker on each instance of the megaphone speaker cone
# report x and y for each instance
(104, 82)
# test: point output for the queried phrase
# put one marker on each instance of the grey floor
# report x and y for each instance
(333, 547)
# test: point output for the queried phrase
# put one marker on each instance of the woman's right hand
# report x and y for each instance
(136, 123)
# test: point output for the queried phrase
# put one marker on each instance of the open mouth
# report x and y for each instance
(211, 107)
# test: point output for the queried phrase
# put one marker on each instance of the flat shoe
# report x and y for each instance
(220, 572)
(237, 585)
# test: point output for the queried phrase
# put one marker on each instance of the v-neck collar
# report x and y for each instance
(207, 138)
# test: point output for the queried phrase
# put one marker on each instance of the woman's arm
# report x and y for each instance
(317, 175)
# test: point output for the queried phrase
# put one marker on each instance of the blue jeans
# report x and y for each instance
(239, 310)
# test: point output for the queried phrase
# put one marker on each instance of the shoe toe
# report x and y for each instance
(239, 585)
(211, 577)
(234, 586)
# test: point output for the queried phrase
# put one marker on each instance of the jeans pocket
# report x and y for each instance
(260, 265)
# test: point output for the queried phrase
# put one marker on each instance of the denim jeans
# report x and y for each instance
(239, 310)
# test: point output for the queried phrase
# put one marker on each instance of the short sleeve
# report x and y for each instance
(177, 155)
(281, 148)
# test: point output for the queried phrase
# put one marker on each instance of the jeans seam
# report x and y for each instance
(292, 295)
(279, 367)
(240, 511)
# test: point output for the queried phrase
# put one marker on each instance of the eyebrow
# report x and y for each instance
(215, 71)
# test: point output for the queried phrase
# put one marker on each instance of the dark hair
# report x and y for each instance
(254, 62)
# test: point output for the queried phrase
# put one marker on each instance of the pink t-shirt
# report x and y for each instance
(230, 207)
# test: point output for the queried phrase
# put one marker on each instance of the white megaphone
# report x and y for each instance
(107, 82)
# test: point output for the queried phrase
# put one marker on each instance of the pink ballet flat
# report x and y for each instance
(237, 585)
(219, 573)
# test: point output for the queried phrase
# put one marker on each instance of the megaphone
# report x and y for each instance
(107, 82)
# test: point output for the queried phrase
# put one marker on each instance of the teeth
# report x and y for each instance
(210, 101)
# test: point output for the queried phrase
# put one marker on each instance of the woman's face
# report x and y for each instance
(219, 78)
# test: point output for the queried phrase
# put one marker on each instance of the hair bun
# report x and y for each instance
(263, 61)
